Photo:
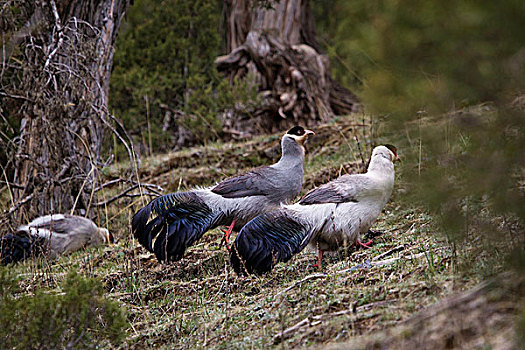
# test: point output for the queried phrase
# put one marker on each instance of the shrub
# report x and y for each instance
(77, 317)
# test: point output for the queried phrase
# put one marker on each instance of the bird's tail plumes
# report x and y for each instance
(170, 224)
(267, 240)
(139, 224)
(20, 246)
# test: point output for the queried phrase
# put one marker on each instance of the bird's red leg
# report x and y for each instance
(320, 260)
(227, 233)
(364, 245)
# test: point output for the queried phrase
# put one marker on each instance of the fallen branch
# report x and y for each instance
(124, 193)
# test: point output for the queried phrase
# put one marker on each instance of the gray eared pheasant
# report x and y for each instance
(51, 235)
(326, 217)
(170, 224)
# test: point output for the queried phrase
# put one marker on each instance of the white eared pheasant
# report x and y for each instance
(51, 235)
(170, 224)
(326, 217)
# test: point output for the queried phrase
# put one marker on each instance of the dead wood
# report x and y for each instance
(277, 49)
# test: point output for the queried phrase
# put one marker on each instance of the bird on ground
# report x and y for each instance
(51, 235)
(327, 217)
(170, 224)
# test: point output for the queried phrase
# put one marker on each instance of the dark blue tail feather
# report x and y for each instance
(267, 240)
(181, 219)
(20, 246)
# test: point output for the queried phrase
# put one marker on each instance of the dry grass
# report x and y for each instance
(199, 302)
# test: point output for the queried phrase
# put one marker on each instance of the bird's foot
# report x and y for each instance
(319, 264)
(227, 233)
(364, 245)
(225, 239)
(320, 267)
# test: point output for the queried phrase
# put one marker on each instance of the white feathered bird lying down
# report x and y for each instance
(51, 235)
(326, 217)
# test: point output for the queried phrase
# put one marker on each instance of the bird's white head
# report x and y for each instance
(387, 150)
(383, 157)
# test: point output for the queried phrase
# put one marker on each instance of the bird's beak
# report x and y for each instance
(303, 138)
(109, 236)
(396, 159)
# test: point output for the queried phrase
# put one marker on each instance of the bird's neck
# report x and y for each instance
(381, 166)
(292, 156)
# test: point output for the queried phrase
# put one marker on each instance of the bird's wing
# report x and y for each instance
(347, 188)
(56, 223)
(253, 183)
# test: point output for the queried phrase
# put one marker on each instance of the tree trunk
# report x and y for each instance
(277, 48)
(59, 91)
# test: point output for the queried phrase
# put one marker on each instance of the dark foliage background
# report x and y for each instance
(164, 84)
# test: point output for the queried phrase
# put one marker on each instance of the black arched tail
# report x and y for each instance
(19, 247)
(267, 240)
(179, 220)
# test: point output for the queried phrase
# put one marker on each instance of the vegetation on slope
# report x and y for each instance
(199, 302)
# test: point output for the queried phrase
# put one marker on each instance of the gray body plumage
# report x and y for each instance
(327, 217)
(339, 211)
(273, 185)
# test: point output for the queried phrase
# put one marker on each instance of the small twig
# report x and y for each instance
(369, 263)
(129, 147)
(360, 151)
(15, 207)
(389, 252)
(60, 34)
(12, 184)
(307, 278)
(120, 195)
(392, 260)
(109, 183)
(16, 97)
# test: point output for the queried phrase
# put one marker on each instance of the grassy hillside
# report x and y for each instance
(199, 302)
